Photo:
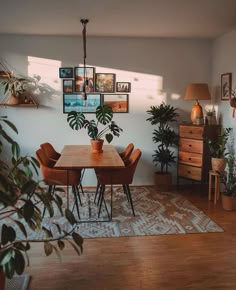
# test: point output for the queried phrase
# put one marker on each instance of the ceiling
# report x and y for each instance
(129, 18)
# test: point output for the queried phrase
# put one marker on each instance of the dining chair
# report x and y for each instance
(59, 177)
(127, 152)
(124, 156)
(122, 176)
(50, 151)
(53, 155)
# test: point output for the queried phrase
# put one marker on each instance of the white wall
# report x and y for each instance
(224, 61)
(158, 69)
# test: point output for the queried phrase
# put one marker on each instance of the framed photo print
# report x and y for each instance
(66, 72)
(105, 82)
(118, 102)
(123, 87)
(68, 86)
(84, 76)
(226, 86)
(77, 102)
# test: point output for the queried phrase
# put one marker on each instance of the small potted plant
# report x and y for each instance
(211, 117)
(104, 116)
(21, 214)
(218, 149)
(165, 138)
(14, 87)
(228, 178)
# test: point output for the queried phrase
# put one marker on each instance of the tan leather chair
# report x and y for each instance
(127, 152)
(54, 177)
(122, 176)
(50, 151)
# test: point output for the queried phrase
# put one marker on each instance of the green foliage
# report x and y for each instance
(229, 180)
(17, 85)
(217, 146)
(20, 196)
(163, 136)
(104, 116)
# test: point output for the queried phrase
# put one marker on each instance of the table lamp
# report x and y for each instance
(197, 91)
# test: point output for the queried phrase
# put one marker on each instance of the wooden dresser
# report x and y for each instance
(194, 160)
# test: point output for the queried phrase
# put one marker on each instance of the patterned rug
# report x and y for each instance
(18, 282)
(156, 213)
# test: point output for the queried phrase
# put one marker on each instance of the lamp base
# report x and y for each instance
(196, 113)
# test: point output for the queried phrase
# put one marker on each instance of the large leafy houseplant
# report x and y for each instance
(217, 146)
(22, 201)
(104, 118)
(164, 136)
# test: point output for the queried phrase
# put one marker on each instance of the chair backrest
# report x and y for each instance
(43, 159)
(50, 151)
(120, 175)
(127, 152)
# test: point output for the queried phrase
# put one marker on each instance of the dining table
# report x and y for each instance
(82, 157)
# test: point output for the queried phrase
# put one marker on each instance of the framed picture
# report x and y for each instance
(105, 82)
(226, 86)
(77, 102)
(68, 86)
(66, 72)
(84, 76)
(123, 87)
(118, 102)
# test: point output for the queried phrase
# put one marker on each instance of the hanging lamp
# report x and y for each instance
(84, 23)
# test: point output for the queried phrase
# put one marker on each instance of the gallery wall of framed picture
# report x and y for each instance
(101, 88)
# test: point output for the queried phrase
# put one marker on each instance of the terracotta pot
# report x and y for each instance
(14, 100)
(218, 164)
(163, 181)
(228, 202)
(97, 145)
(2, 279)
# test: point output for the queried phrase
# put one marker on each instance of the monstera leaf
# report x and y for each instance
(104, 114)
(76, 120)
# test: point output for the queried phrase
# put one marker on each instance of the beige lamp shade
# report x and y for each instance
(197, 91)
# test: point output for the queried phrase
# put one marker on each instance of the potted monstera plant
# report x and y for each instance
(165, 137)
(104, 126)
(22, 203)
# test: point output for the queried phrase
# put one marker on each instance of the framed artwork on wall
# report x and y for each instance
(76, 102)
(68, 86)
(84, 76)
(105, 82)
(226, 86)
(66, 72)
(123, 87)
(118, 102)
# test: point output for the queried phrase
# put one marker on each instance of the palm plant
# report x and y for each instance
(164, 136)
(217, 146)
(104, 116)
(21, 200)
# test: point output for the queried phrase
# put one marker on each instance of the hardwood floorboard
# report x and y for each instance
(168, 262)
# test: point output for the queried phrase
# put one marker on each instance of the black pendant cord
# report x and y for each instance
(84, 23)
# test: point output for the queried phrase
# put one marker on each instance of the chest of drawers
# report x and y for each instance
(194, 160)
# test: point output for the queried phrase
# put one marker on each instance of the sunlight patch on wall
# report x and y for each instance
(146, 89)
(47, 69)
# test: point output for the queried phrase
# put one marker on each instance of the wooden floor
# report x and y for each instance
(192, 261)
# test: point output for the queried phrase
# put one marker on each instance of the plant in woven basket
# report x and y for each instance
(22, 199)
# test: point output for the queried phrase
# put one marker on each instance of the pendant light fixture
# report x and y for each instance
(84, 23)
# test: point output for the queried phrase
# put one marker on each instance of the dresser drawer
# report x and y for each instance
(194, 132)
(191, 145)
(190, 172)
(190, 158)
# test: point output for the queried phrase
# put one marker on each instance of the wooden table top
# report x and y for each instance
(81, 156)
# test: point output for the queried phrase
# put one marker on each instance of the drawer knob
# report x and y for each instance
(190, 132)
(189, 172)
(190, 145)
(190, 158)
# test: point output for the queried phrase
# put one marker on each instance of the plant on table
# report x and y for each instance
(104, 118)
(21, 202)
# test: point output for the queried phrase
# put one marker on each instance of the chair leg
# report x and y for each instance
(76, 201)
(78, 194)
(130, 197)
(125, 191)
(96, 194)
(100, 197)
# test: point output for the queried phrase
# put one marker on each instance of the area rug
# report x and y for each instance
(156, 213)
(17, 283)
